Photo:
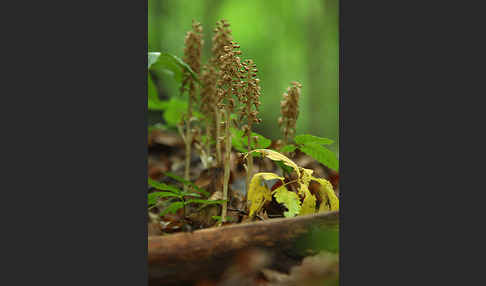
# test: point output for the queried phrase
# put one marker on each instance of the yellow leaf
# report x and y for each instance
(309, 204)
(330, 201)
(258, 193)
(269, 176)
(289, 199)
(276, 156)
(306, 176)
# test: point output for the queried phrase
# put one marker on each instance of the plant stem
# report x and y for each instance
(249, 172)
(226, 164)
(249, 160)
(184, 207)
(188, 138)
(208, 134)
(218, 135)
(284, 143)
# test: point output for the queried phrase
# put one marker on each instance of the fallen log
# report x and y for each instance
(206, 253)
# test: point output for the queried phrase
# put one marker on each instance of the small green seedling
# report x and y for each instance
(314, 147)
(179, 198)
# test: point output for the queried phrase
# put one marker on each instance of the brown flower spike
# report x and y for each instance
(250, 98)
(229, 85)
(209, 78)
(289, 107)
(222, 37)
(192, 56)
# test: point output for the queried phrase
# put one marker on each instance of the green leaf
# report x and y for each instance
(167, 62)
(177, 178)
(303, 139)
(240, 141)
(288, 148)
(176, 108)
(172, 208)
(289, 199)
(154, 103)
(185, 182)
(285, 168)
(163, 187)
(189, 194)
(198, 115)
(205, 202)
(152, 197)
(262, 142)
(152, 58)
(204, 140)
(321, 154)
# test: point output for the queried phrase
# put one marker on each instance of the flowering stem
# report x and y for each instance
(218, 134)
(226, 164)
(249, 160)
(188, 138)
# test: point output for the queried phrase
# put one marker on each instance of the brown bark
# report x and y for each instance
(206, 253)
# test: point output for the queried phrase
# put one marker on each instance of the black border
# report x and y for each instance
(408, 121)
(76, 153)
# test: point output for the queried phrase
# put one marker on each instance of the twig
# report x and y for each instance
(244, 212)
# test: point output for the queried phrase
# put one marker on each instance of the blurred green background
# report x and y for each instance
(289, 40)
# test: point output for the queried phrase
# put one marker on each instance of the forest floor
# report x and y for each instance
(267, 258)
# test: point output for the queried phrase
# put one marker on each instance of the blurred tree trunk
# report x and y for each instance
(314, 53)
(331, 16)
(323, 60)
